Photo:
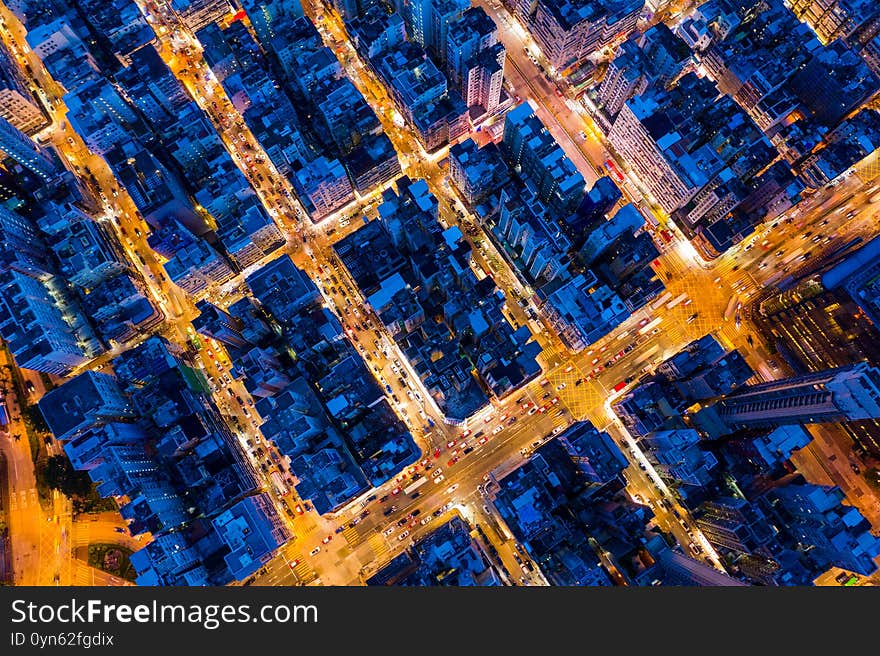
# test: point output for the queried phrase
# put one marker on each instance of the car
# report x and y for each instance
(554, 400)
(450, 444)
(403, 535)
(510, 422)
(452, 488)
(299, 509)
(293, 563)
(402, 521)
(439, 479)
(560, 386)
(119, 529)
(497, 430)
(396, 490)
(384, 498)
(389, 530)
(427, 519)
(315, 551)
(451, 461)
(327, 539)
(465, 433)
(532, 411)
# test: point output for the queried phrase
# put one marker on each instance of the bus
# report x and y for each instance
(660, 301)
(675, 301)
(648, 327)
(409, 489)
(278, 482)
(647, 354)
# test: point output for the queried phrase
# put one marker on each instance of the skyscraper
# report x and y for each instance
(475, 59)
(841, 394)
(17, 146)
(17, 105)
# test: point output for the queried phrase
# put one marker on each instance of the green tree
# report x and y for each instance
(60, 475)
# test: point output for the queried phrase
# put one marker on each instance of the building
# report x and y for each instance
(842, 394)
(582, 311)
(250, 538)
(476, 172)
(17, 103)
(448, 556)
(40, 322)
(190, 263)
(475, 60)
(86, 401)
(624, 78)
(570, 31)
(677, 456)
(372, 164)
(197, 14)
(834, 19)
(429, 21)
(21, 149)
(324, 187)
(540, 161)
(821, 530)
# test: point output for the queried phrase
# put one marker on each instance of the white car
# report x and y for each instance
(452, 488)
(315, 551)
(389, 530)
(403, 535)
(427, 519)
(497, 430)
(439, 479)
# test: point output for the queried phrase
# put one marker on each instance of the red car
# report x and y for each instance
(465, 433)
(450, 444)
(395, 490)
(327, 539)
(526, 405)
(452, 461)
(436, 453)
(620, 386)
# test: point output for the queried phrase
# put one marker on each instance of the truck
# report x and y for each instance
(675, 301)
(278, 482)
(412, 487)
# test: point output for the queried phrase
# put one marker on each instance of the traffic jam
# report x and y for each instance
(433, 470)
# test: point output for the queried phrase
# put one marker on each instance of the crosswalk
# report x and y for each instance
(352, 536)
(23, 499)
(378, 545)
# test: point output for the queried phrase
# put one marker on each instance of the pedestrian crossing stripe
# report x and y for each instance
(303, 571)
(378, 544)
(352, 536)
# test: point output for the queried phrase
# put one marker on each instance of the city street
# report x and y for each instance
(458, 461)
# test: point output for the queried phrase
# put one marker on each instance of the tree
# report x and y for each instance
(60, 475)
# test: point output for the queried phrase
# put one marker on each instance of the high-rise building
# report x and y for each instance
(89, 400)
(568, 32)
(623, 79)
(475, 59)
(530, 147)
(196, 14)
(17, 103)
(428, 23)
(834, 19)
(467, 37)
(20, 148)
(841, 394)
